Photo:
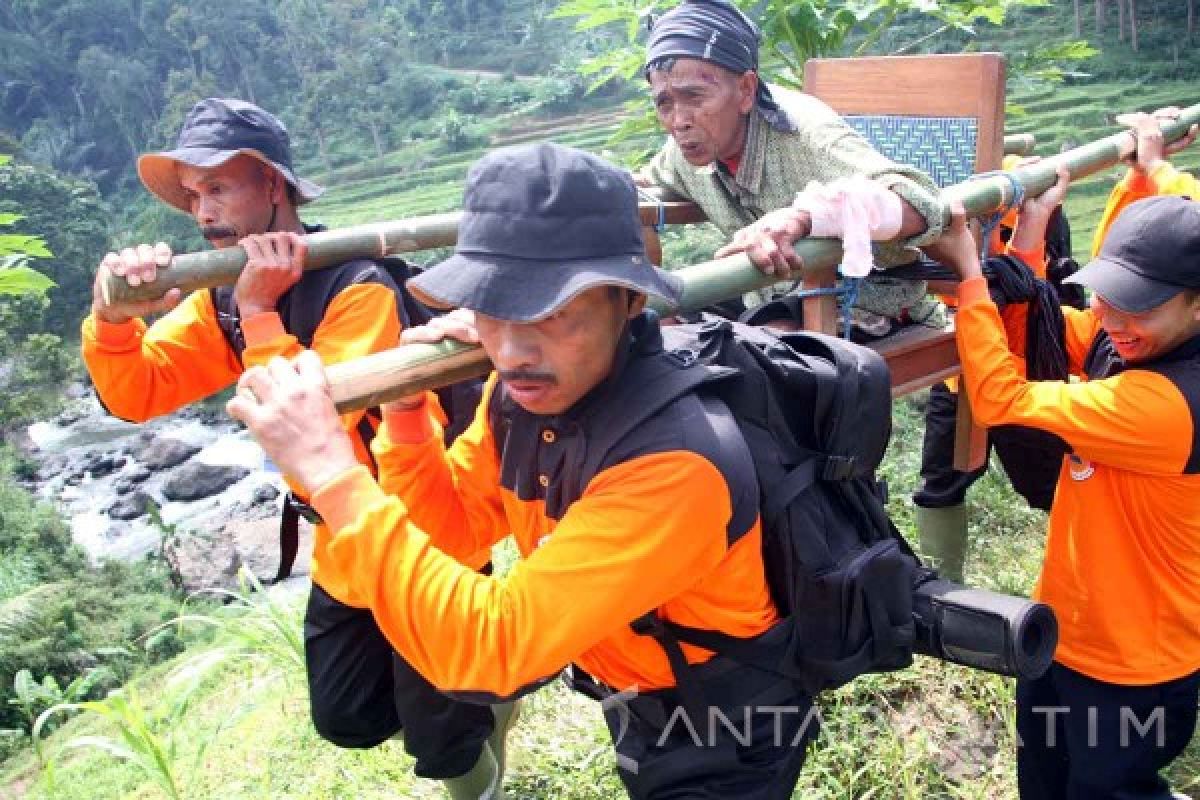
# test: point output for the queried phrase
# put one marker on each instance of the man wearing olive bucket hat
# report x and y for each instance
(232, 172)
(618, 528)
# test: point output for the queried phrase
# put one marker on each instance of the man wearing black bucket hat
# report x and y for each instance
(742, 149)
(1122, 564)
(232, 172)
(614, 529)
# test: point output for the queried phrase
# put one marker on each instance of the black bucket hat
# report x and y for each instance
(1151, 254)
(542, 223)
(216, 130)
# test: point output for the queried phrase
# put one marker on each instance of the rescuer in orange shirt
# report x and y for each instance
(1150, 173)
(551, 262)
(232, 172)
(1122, 563)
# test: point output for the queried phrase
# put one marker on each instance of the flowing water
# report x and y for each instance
(62, 446)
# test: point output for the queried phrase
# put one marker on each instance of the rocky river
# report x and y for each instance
(192, 485)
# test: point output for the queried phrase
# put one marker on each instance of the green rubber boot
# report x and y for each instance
(481, 782)
(943, 537)
(506, 717)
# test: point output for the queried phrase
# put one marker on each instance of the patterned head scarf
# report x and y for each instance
(716, 31)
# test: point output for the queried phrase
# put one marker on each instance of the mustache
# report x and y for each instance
(211, 232)
(527, 376)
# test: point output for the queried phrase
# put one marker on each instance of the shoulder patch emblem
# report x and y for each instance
(1081, 469)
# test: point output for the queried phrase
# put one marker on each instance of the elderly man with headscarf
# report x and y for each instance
(743, 151)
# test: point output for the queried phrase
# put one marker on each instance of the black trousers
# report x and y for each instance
(942, 486)
(1031, 458)
(363, 693)
(751, 746)
(1084, 739)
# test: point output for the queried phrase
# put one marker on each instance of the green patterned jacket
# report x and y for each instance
(776, 165)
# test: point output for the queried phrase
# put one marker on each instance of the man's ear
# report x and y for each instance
(747, 84)
(278, 184)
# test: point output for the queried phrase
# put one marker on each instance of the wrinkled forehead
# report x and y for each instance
(686, 75)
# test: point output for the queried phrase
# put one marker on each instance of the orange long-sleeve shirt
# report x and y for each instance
(647, 533)
(1122, 565)
(1163, 179)
(141, 371)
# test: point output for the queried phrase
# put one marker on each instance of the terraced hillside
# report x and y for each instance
(1069, 116)
(419, 180)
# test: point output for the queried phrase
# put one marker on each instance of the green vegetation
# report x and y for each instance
(67, 628)
(63, 223)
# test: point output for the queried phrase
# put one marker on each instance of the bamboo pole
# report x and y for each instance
(192, 271)
(988, 194)
(388, 375)
(1019, 144)
(391, 374)
(368, 381)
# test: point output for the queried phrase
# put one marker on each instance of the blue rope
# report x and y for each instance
(990, 223)
(661, 225)
(848, 292)
(847, 303)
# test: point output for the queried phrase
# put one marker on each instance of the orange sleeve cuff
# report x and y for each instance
(412, 426)
(340, 501)
(973, 291)
(114, 334)
(262, 328)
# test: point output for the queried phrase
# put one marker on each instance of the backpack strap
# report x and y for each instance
(687, 685)
(1182, 368)
(302, 309)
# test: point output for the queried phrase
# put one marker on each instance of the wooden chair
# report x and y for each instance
(943, 114)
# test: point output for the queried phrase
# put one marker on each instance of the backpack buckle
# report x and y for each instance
(838, 468)
(684, 356)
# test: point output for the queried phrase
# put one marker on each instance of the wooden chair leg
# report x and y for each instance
(653, 245)
(970, 440)
(821, 312)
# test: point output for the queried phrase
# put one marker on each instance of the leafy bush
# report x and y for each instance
(64, 630)
(256, 637)
(31, 533)
(72, 219)
(61, 618)
(559, 93)
(458, 132)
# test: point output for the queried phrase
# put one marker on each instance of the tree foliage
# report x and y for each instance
(15, 251)
(88, 84)
(66, 230)
(70, 220)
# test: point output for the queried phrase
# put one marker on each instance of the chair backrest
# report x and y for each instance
(943, 114)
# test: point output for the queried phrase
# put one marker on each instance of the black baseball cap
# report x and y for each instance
(216, 130)
(1151, 254)
(541, 224)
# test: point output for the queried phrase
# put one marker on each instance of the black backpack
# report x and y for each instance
(301, 309)
(815, 412)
